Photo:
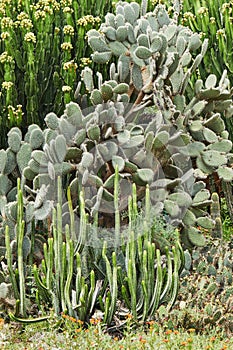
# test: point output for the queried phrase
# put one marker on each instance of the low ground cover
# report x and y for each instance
(151, 336)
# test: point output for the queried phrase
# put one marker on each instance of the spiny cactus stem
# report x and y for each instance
(169, 275)
(132, 273)
(70, 268)
(71, 213)
(144, 6)
(132, 289)
(114, 290)
(227, 189)
(130, 214)
(140, 249)
(134, 203)
(175, 279)
(151, 270)
(145, 307)
(158, 284)
(9, 264)
(78, 277)
(63, 272)
(116, 207)
(50, 264)
(59, 190)
(56, 252)
(83, 224)
(20, 235)
(91, 295)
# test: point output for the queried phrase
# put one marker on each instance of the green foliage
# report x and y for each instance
(77, 279)
(211, 20)
(180, 145)
(42, 47)
(206, 289)
(226, 221)
(162, 54)
(215, 210)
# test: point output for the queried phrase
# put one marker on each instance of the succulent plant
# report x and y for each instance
(140, 122)
(39, 74)
(156, 58)
(206, 287)
(135, 279)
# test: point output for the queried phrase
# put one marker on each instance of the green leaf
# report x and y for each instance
(225, 173)
(195, 237)
(214, 158)
(116, 160)
(146, 175)
(201, 196)
(211, 81)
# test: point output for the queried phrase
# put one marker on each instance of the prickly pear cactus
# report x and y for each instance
(156, 58)
(207, 287)
(140, 122)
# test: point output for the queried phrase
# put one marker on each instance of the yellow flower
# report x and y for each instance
(203, 11)
(30, 37)
(7, 85)
(88, 19)
(220, 32)
(68, 9)
(85, 61)
(22, 15)
(48, 9)
(40, 14)
(189, 15)
(5, 35)
(226, 6)
(129, 316)
(6, 22)
(66, 88)
(26, 23)
(142, 340)
(4, 57)
(66, 2)
(69, 30)
(70, 65)
(66, 46)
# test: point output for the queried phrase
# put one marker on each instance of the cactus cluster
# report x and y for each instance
(148, 130)
(80, 280)
(42, 47)
(157, 61)
(207, 287)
